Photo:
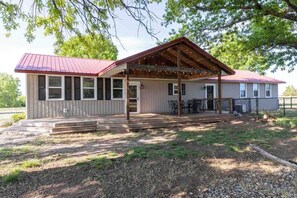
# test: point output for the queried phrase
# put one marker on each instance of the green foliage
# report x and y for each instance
(88, 46)
(290, 91)
(260, 30)
(12, 176)
(21, 101)
(234, 140)
(60, 18)
(31, 163)
(18, 116)
(9, 90)
(233, 51)
(153, 151)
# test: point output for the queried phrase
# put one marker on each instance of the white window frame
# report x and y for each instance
(48, 87)
(258, 89)
(173, 85)
(123, 89)
(82, 88)
(241, 90)
(270, 90)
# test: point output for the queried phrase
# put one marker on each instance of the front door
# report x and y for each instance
(134, 97)
(210, 94)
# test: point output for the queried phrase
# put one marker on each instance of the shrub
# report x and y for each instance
(19, 116)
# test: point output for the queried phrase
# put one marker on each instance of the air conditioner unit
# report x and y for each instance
(240, 108)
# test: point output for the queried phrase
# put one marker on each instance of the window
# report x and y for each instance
(55, 87)
(88, 88)
(242, 90)
(267, 90)
(117, 89)
(175, 89)
(255, 90)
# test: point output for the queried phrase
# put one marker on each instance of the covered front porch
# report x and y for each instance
(179, 61)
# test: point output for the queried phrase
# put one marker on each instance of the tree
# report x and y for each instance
(62, 17)
(9, 90)
(88, 46)
(290, 91)
(232, 51)
(262, 29)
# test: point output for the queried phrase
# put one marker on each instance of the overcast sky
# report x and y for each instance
(13, 47)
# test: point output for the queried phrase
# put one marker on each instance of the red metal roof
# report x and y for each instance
(49, 64)
(245, 76)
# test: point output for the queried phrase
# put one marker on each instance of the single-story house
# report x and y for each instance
(175, 71)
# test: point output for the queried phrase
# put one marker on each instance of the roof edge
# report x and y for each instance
(54, 73)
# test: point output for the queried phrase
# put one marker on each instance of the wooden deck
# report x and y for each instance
(119, 123)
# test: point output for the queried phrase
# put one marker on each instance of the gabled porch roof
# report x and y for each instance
(161, 62)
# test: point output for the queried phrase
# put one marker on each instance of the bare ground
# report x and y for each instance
(216, 172)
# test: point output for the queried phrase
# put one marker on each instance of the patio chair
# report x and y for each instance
(173, 105)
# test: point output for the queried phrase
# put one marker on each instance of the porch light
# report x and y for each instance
(141, 86)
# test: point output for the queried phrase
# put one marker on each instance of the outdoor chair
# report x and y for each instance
(173, 105)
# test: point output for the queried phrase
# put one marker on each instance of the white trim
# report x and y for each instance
(214, 90)
(123, 89)
(82, 88)
(205, 92)
(47, 87)
(240, 90)
(258, 88)
(137, 83)
(176, 84)
(270, 90)
(28, 94)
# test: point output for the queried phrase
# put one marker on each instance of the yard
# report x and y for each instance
(213, 160)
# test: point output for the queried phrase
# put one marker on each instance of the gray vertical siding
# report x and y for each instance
(45, 109)
(153, 99)
(154, 95)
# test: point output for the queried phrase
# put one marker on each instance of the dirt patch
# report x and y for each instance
(96, 164)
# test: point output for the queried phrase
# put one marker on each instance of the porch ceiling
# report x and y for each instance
(161, 62)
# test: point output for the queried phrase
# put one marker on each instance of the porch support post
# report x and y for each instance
(127, 95)
(220, 92)
(179, 82)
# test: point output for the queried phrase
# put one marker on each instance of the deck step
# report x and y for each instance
(75, 123)
(74, 129)
(86, 130)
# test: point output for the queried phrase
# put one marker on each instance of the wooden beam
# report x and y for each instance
(220, 92)
(127, 95)
(196, 63)
(179, 82)
(164, 68)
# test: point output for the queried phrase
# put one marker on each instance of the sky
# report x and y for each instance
(12, 48)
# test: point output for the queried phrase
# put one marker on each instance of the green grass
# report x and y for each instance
(31, 163)
(235, 140)
(289, 122)
(98, 162)
(172, 150)
(6, 152)
(12, 176)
